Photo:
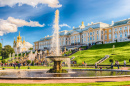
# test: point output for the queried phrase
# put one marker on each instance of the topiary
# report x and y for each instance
(111, 60)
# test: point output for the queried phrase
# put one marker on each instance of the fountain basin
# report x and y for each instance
(57, 58)
(57, 68)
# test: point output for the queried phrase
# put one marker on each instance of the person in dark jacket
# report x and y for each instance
(19, 64)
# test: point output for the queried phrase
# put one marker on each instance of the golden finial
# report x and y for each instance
(82, 23)
(14, 39)
(19, 33)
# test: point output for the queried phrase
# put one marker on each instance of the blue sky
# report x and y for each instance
(72, 13)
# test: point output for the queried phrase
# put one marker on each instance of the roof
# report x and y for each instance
(121, 22)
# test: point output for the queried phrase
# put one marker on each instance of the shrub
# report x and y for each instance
(17, 62)
(3, 61)
(32, 63)
(28, 61)
(111, 60)
(129, 60)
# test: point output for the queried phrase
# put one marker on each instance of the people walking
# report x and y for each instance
(118, 64)
(95, 65)
(19, 64)
(14, 66)
(112, 65)
(82, 63)
(124, 63)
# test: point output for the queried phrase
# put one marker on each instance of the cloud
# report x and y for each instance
(34, 3)
(28, 45)
(11, 25)
(20, 22)
(64, 25)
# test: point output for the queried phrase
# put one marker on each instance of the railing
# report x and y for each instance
(103, 59)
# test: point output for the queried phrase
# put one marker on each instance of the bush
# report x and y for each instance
(17, 62)
(129, 60)
(111, 60)
(32, 63)
(3, 61)
(28, 61)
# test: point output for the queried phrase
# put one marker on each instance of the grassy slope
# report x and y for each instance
(121, 51)
(73, 84)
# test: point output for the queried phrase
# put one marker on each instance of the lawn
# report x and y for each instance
(121, 52)
(73, 84)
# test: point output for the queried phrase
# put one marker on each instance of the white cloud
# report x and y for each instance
(20, 22)
(64, 25)
(11, 24)
(28, 45)
(34, 3)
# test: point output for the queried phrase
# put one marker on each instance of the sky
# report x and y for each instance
(34, 19)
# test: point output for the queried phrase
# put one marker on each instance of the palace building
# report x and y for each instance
(19, 45)
(90, 34)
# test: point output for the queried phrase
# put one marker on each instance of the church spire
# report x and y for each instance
(14, 39)
(19, 33)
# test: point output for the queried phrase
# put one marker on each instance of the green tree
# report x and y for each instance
(6, 51)
(30, 48)
(0, 48)
(28, 61)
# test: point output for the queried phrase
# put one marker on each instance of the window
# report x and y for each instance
(93, 33)
(97, 32)
(90, 33)
(84, 34)
(105, 36)
(109, 30)
(125, 34)
(75, 37)
(120, 29)
(109, 36)
(93, 37)
(97, 37)
(125, 28)
(90, 38)
(116, 35)
(84, 39)
(105, 31)
(102, 32)
(116, 29)
(121, 35)
(102, 37)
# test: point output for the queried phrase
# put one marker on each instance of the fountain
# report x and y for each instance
(55, 48)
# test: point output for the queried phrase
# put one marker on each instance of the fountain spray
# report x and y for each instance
(55, 47)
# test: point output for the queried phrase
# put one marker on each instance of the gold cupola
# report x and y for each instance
(82, 25)
(19, 38)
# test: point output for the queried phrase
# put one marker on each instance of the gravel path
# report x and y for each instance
(67, 80)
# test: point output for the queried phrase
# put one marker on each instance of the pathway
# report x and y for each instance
(67, 80)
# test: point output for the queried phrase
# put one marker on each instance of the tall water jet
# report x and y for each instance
(55, 47)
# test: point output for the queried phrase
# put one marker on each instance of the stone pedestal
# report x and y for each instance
(57, 65)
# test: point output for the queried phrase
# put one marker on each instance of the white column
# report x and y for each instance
(113, 35)
(99, 35)
(128, 29)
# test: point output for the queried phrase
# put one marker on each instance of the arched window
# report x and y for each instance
(125, 34)
(121, 35)
(115, 35)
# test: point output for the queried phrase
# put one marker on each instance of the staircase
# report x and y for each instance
(103, 59)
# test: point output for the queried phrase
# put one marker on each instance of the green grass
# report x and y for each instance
(121, 52)
(73, 84)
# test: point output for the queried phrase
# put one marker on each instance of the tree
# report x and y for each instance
(0, 48)
(111, 60)
(30, 48)
(6, 51)
(28, 61)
